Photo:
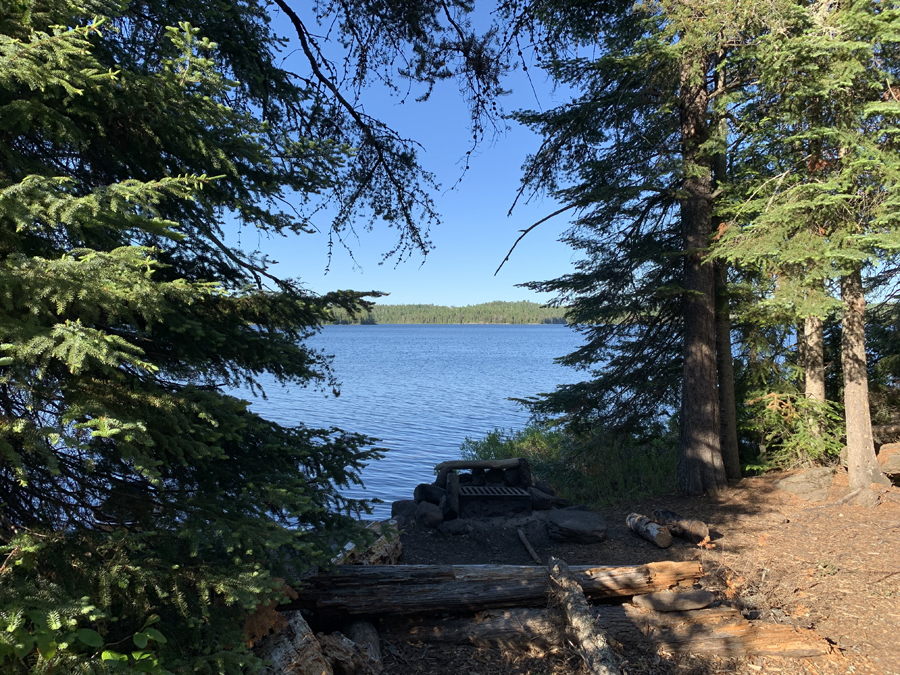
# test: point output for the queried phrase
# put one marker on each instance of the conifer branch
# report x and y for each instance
(529, 229)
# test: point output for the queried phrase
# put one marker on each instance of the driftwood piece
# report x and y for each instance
(365, 635)
(649, 530)
(528, 546)
(385, 550)
(694, 531)
(293, 651)
(589, 640)
(406, 589)
(720, 630)
(666, 601)
(478, 464)
(346, 657)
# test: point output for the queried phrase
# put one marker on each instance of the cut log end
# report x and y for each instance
(649, 530)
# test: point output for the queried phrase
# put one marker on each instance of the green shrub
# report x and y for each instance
(595, 469)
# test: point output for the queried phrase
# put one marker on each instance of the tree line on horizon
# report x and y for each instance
(497, 312)
(728, 171)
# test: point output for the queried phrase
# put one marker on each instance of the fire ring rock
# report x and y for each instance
(429, 515)
(579, 527)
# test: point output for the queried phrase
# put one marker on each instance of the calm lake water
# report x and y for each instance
(423, 389)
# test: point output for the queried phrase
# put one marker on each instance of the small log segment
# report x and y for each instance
(293, 651)
(649, 530)
(589, 640)
(717, 630)
(694, 531)
(407, 589)
(528, 546)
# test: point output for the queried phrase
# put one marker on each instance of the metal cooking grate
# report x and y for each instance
(491, 491)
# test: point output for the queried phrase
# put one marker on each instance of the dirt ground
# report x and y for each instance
(830, 566)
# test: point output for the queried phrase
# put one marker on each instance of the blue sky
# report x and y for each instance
(476, 232)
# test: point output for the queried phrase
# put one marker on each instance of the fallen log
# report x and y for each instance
(718, 630)
(649, 530)
(694, 531)
(404, 589)
(541, 628)
(885, 430)
(478, 464)
(589, 640)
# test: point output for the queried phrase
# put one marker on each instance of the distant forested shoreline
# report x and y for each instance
(521, 312)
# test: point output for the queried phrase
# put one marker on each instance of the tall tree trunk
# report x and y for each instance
(861, 460)
(724, 356)
(725, 367)
(814, 365)
(700, 466)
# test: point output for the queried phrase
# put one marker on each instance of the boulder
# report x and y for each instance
(811, 484)
(429, 515)
(512, 477)
(441, 480)
(579, 527)
(428, 492)
(465, 479)
(540, 501)
(889, 460)
(457, 527)
(544, 487)
(403, 511)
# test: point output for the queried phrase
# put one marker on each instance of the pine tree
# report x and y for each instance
(144, 511)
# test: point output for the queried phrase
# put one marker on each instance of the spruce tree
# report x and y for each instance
(821, 180)
(144, 511)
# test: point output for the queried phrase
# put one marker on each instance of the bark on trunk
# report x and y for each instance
(861, 461)
(814, 365)
(725, 367)
(407, 589)
(589, 640)
(700, 466)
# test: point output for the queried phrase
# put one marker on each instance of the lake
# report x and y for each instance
(422, 389)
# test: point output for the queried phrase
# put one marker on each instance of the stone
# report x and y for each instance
(867, 498)
(889, 460)
(428, 492)
(429, 515)
(465, 479)
(579, 527)
(457, 527)
(512, 477)
(544, 487)
(810, 485)
(494, 476)
(403, 510)
(540, 501)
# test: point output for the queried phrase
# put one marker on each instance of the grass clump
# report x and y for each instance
(595, 469)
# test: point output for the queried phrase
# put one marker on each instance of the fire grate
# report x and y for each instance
(488, 491)
(492, 500)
